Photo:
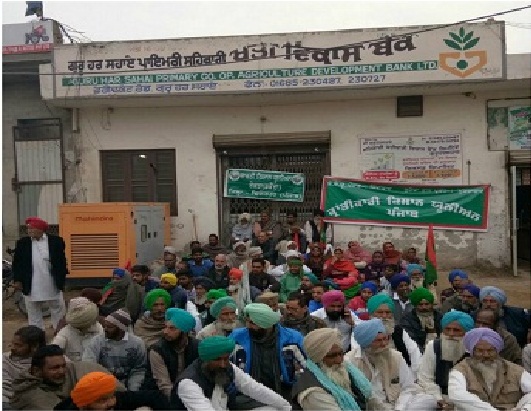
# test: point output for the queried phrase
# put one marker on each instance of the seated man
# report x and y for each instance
(212, 382)
(400, 285)
(328, 382)
(198, 265)
(457, 279)
(121, 352)
(291, 280)
(466, 300)
(266, 350)
(122, 292)
(484, 381)
(175, 351)
(315, 303)
(213, 248)
(359, 303)
(149, 327)
(243, 230)
(26, 341)
(423, 322)
(270, 299)
(442, 354)
(170, 261)
(298, 317)
(219, 272)
(339, 267)
(224, 312)
(212, 296)
(267, 246)
(140, 275)
(240, 290)
(260, 279)
(279, 271)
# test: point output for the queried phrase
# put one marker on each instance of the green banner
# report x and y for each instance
(264, 185)
(359, 202)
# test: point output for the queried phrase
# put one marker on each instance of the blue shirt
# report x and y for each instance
(200, 270)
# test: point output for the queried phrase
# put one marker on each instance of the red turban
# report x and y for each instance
(236, 273)
(36, 222)
(92, 387)
(331, 297)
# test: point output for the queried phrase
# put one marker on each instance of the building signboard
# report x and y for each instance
(31, 37)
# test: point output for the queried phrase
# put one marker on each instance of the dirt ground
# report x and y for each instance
(518, 290)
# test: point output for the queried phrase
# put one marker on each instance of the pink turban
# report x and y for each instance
(331, 297)
(476, 335)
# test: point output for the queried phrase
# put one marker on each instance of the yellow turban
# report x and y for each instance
(169, 277)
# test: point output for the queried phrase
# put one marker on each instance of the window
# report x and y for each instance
(409, 106)
(140, 175)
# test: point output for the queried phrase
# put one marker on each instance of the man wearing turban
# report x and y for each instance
(266, 350)
(179, 296)
(359, 303)
(515, 320)
(224, 312)
(81, 325)
(212, 382)
(485, 381)
(39, 271)
(175, 351)
(243, 230)
(336, 315)
(291, 280)
(150, 325)
(467, 300)
(240, 289)
(400, 286)
(423, 322)
(442, 354)
(457, 279)
(122, 293)
(327, 381)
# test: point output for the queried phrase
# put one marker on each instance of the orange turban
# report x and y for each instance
(92, 387)
(236, 273)
(36, 222)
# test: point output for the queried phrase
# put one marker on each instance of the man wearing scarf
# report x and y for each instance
(224, 312)
(239, 256)
(240, 290)
(442, 354)
(484, 381)
(339, 268)
(81, 325)
(149, 327)
(457, 279)
(423, 322)
(298, 317)
(466, 301)
(212, 382)
(400, 284)
(328, 382)
(243, 231)
(336, 315)
(122, 292)
(279, 271)
(270, 353)
(291, 280)
(175, 351)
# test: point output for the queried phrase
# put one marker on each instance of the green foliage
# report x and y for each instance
(462, 40)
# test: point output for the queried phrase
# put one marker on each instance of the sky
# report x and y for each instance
(142, 20)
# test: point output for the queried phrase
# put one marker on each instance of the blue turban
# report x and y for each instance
(312, 277)
(220, 304)
(369, 285)
(464, 320)
(482, 334)
(396, 279)
(472, 289)
(495, 292)
(119, 272)
(366, 331)
(414, 267)
(457, 273)
(181, 319)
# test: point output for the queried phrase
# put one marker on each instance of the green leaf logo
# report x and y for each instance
(462, 40)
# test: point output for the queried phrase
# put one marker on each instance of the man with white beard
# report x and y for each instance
(224, 311)
(381, 306)
(485, 381)
(442, 354)
(327, 382)
(393, 383)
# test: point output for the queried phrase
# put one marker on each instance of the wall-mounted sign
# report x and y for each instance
(510, 125)
(31, 37)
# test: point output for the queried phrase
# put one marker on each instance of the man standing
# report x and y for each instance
(198, 265)
(400, 284)
(484, 381)
(213, 248)
(170, 260)
(224, 311)
(259, 278)
(328, 382)
(149, 327)
(212, 382)
(336, 315)
(219, 272)
(39, 271)
(297, 316)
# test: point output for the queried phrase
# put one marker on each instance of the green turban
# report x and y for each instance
(420, 294)
(211, 348)
(214, 294)
(376, 300)
(295, 262)
(181, 319)
(220, 304)
(262, 315)
(154, 295)
(312, 277)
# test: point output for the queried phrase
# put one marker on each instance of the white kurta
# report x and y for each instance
(194, 399)
(426, 373)
(42, 284)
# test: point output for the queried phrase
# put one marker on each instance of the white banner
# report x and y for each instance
(31, 37)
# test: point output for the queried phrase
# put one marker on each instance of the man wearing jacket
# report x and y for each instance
(39, 270)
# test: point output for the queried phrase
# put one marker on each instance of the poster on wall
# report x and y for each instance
(519, 128)
(350, 201)
(415, 159)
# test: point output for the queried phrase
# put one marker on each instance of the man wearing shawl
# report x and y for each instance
(240, 289)
(175, 351)
(514, 319)
(212, 382)
(223, 310)
(400, 284)
(339, 267)
(81, 325)
(457, 279)
(442, 354)
(267, 351)
(356, 253)
(122, 292)
(359, 303)
(243, 230)
(239, 256)
(327, 381)
(484, 381)
(149, 327)
(466, 301)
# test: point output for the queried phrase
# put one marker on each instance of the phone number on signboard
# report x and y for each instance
(293, 82)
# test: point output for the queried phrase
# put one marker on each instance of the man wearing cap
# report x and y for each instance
(400, 284)
(467, 300)
(291, 280)
(271, 299)
(175, 351)
(149, 326)
(336, 315)
(219, 272)
(327, 381)
(170, 261)
(224, 312)
(121, 352)
(423, 322)
(298, 317)
(267, 351)
(442, 354)
(514, 319)
(457, 279)
(212, 382)
(39, 271)
(484, 381)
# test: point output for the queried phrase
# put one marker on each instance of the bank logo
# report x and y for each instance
(463, 62)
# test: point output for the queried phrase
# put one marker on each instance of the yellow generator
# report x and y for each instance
(103, 236)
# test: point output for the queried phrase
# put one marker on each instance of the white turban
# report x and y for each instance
(247, 216)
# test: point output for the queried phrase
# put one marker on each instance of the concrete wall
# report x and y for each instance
(190, 130)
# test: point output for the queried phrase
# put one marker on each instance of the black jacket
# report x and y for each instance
(263, 281)
(22, 262)
(127, 400)
(220, 283)
(411, 323)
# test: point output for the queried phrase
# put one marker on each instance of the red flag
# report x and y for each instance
(431, 258)
(128, 265)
